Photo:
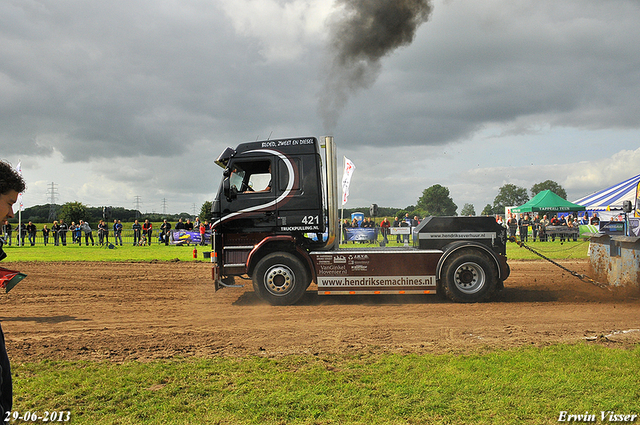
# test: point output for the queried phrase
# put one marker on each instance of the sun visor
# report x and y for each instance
(224, 157)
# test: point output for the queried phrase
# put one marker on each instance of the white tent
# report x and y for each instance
(608, 202)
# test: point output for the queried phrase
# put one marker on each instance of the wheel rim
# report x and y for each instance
(279, 279)
(469, 278)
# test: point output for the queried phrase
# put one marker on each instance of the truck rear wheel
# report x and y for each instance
(280, 278)
(469, 276)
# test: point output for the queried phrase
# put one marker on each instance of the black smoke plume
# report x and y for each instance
(362, 33)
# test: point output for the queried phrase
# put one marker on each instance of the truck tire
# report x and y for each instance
(469, 276)
(280, 278)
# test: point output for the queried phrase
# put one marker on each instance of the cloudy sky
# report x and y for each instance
(118, 102)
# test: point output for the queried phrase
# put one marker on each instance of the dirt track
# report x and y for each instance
(122, 311)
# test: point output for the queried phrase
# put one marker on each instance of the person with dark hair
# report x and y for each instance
(6, 231)
(117, 231)
(103, 233)
(11, 184)
(31, 231)
(64, 228)
(147, 229)
(166, 229)
(137, 229)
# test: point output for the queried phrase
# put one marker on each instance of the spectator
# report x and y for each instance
(6, 231)
(535, 226)
(45, 234)
(56, 233)
(79, 233)
(396, 223)
(188, 226)
(524, 224)
(595, 220)
(180, 225)
(574, 224)
(137, 229)
(202, 230)
(63, 232)
(512, 225)
(543, 228)
(406, 223)
(345, 226)
(147, 229)
(88, 232)
(166, 229)
(103, 233)
(31, 230)
(384, 228)
(75, 232)
(117, 231)
(563, 222)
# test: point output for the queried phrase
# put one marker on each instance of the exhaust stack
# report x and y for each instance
(331, 164)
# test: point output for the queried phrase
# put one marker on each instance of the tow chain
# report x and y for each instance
(582, 277)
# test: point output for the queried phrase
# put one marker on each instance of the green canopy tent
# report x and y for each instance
(547, 201)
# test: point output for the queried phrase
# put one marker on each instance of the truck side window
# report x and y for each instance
(283, 170)
(251, 176)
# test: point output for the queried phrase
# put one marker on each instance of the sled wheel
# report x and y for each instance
(469, 276)
(280, 278)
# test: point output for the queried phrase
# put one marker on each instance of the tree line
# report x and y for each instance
(76, 211)
(436, 201)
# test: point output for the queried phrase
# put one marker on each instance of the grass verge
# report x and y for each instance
(524, 386)
(555, 250)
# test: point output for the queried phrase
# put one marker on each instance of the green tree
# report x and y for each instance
(205, 211)
(468, 210)
(73, 211)
(488, 210)
(436, 201)
(509, 195)
(548, 185)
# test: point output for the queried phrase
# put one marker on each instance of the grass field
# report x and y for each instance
(523, 386)
(555, 250)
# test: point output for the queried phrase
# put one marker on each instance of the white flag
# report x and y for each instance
(346, 178)
(19, 200)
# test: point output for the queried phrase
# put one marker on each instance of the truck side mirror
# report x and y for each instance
(230, 192)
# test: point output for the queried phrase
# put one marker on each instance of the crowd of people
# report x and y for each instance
(544, 228)
(383, 227)
(60, 232)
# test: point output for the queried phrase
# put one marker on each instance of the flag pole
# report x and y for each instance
(20, 243)
(342, 208)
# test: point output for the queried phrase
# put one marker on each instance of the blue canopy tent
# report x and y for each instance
(608, 202)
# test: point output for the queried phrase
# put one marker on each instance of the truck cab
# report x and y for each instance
(273, 206)
(271, 194)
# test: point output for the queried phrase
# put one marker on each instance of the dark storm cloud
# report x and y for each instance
(106, 79)
(514, 66)
(361, 33)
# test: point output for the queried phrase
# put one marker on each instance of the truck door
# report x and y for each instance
(248, 200)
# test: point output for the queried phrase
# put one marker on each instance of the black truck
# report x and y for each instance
(275, 220)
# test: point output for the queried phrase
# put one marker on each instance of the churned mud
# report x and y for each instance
(145, 311)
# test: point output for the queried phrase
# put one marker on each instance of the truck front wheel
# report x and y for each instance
(469, 276)
(280, 278)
